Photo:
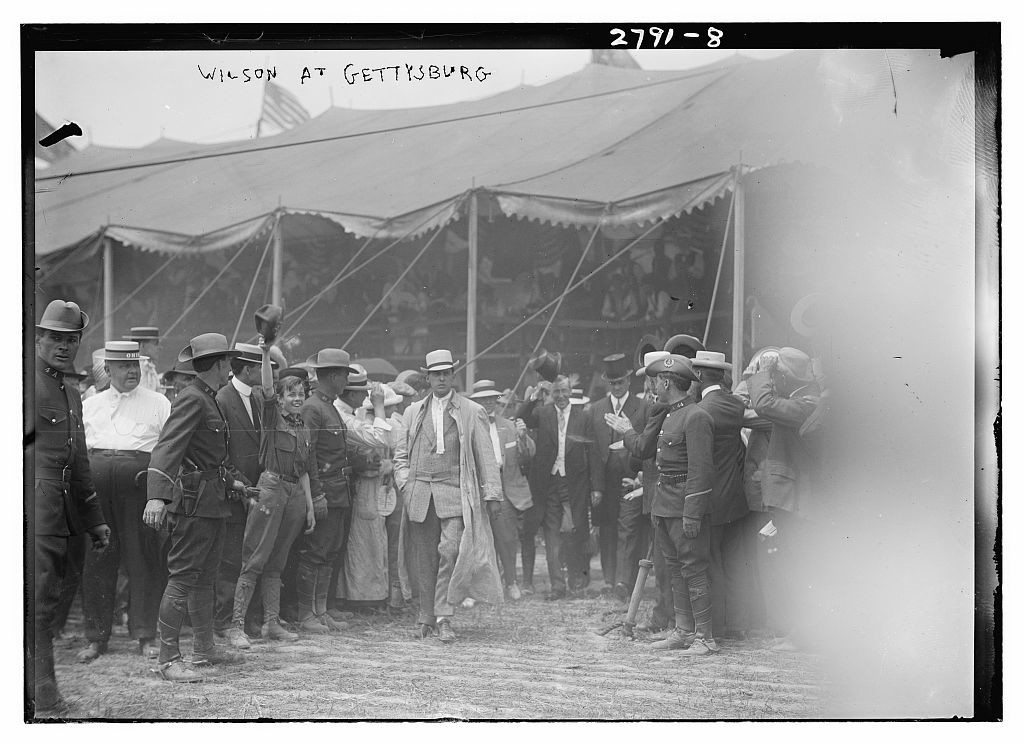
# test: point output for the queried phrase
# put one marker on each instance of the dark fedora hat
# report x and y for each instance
(207, 345)
(268, 321)
(685, 345)
(616, 367)
(547, 364)
(63, 316)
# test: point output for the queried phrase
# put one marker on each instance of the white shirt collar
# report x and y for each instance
(125, 394)
(618, 403)
(442, 401)
(242, 388)
(708, 390)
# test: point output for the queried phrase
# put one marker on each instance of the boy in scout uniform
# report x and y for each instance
(682, 503)
(188, 483)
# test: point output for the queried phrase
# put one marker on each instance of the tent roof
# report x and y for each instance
(637, 145)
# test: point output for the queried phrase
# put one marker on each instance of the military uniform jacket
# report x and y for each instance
(57, 440)
(243, 440)
(682, 450)
(728, 502)
(195, 432)
(330, 450)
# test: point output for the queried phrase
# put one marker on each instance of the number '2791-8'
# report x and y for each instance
(661, 37)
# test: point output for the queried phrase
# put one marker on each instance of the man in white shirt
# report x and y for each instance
(122, 425)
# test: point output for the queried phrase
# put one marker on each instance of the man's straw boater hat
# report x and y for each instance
(485, 389)
(207, 345)
(122, 351)
(252, 353)
(143, 333)
(438, 360)
(357, 379)
(63, 316)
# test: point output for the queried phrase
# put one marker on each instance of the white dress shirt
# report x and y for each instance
(437, 408)
(124, 421)
(361, 430)
(245, 391)
(618, 403)
(563, 426)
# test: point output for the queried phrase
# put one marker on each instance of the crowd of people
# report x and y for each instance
(248, 498)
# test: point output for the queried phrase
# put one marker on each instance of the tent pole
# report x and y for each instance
(275, 291)
(738, 294)
(471, 293)
(108, 288)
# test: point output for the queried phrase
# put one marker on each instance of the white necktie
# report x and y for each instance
(437, 413)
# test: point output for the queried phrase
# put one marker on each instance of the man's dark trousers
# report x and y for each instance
(573, 544)
(688, 560)
(195, 553)
(122, 497)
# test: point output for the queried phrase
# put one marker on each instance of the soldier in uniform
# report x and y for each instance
(188, 483)
(318, 551)
(682, 503)
(65, 501)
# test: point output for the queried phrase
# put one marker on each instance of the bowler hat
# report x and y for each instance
(207, 345)
(268, 321)
(484, 389)
(683, 343)
(122, 351)
(547, 364)
(334, 358)
(676, 364)
(650, 357)
(715, 360)
(439, 359)
(795, 364)
(616, 367)
(63, 316)
(143, 333)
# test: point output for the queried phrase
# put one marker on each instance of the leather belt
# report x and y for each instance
(283, 477)
(120, 453)
(672, 478)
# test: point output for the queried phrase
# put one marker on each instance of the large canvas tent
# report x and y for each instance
(603, 146)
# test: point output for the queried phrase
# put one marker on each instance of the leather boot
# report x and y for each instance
(272, 628)
(200, 611)
(700, 604)
(305, 591)
(47, 700)
(173, 607)
(323, 584)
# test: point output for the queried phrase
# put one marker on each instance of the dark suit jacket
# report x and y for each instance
(608, 467)
(544, 420)
(244, 443)
(728, 501)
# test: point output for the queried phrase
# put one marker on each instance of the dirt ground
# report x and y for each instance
(530, 659)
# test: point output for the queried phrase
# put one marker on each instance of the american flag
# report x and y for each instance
(281, 109)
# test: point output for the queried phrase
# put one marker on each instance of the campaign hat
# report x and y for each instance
(207, 345)
(333, 358)
(650, 357)
(63, 316)
(676, 364)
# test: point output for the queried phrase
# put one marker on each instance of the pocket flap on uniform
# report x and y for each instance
(52, 414)
(285, 442)
(216, 424)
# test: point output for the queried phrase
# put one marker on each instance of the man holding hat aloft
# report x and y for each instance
(318, 552)
(188, 484)
(513, 449)
(731, 564)
(447, 471)
(65, 501)
(122, 426)
(682, 502)
(608, 467)
(786, 393)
